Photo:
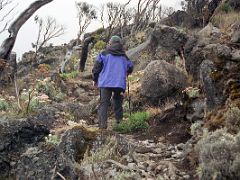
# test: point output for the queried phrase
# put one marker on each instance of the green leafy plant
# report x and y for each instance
(100, 45)
(46, 88)
(3, 105)
(52, 139)
(133, 78)
(192, 92)
(34, 105)
(70, 75)
(226, 7)
(136, 121)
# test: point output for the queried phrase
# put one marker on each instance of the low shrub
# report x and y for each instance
(232, 119)
(226, 7)
(53, 139)
(219, 155)
(100, 45)
(225, 20)
(70, 75)
(34, 105)
(3, 105)
(136, 121)
(192, 92)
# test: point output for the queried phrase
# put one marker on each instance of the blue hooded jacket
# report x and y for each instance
(112, 67)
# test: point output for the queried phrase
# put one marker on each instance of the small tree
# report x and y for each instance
(86, 13)
(47, 30)
(114, 15)
(139, 17)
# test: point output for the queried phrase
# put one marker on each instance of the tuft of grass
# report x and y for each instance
(3, 105)
(35, 104)
(225, 20)
(226, 7)
(136, 121)
(52, 139)
(132, 78)
(107, 151)
(192, 92)
(70, 75)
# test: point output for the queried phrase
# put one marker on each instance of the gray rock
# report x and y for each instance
(212, 89)
(206, 31)
(81, 111)
(135, 51)
(222, 51)
(132, 165)
(216, 32)
(186, 176)
(73, 143)
(15, 137)
(43, 168)
(236, 35)
(235, 55)
(169, 37)
(196, 110)
(78, 92)
(162, 80)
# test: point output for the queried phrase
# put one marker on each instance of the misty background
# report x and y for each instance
(65, 13)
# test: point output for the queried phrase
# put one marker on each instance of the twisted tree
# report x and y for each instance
(7, 45)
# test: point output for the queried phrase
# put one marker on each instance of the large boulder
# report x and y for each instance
(44, 162)
(162, 80)
(178, 18)
(211, 85)
(169, 37)
(236, 33)
(15, 137)
(75, 142)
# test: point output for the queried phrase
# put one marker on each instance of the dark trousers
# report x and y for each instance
(105, 97)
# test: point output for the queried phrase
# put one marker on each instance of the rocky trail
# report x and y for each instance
(185, 105)
(51, 145)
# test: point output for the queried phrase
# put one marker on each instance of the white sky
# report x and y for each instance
(65, 13)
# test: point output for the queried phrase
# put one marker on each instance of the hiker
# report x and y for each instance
(110, 73)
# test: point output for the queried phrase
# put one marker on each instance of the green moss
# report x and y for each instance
(89, 134)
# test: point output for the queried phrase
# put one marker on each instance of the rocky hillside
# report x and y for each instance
(181, 117)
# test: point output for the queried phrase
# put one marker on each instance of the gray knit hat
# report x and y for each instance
(115, 39)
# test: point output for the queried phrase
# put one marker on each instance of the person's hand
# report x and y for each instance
(94, 84)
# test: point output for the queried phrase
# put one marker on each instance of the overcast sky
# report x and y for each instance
(65, 13)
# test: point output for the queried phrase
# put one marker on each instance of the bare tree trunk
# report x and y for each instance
(8, 44)
(84, 53)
